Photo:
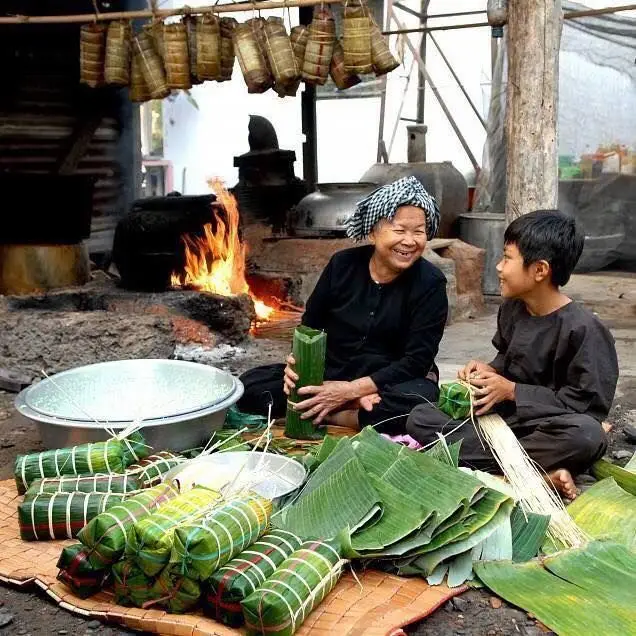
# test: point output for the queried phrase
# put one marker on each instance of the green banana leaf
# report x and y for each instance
(483, 512)
(583, 599)
(599, 560)
(338, 495)
(429, 561)
(401, 516)
(444, 453)
(528, 533)
(623, 477)
(436, 486)
(459, 569)
(606, 511)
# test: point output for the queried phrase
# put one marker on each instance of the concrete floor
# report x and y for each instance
(612, 296)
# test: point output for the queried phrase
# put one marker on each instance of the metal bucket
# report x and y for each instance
(485, 230)
(180, 403)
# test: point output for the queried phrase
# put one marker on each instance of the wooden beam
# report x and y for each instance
(534, 35)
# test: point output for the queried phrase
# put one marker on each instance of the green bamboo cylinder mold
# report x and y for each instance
(308, 349)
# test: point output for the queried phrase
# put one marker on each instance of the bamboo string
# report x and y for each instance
(230, 7)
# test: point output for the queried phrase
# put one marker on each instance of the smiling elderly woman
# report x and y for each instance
(384, 309)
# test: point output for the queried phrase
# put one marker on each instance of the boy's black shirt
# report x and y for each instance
(564, 362)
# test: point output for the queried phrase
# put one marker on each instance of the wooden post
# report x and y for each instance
(534, 35)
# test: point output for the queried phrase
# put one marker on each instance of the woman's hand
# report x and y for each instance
(494, 388)
(325, 399)
(291, 377)
(474, 368)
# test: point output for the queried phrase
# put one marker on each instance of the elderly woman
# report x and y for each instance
(384, 309)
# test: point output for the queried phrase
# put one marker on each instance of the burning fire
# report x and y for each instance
(216, 261)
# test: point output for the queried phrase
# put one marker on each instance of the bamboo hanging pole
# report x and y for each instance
(264, 6)
(230, 7)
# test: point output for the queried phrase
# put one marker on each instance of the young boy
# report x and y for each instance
(555, 373)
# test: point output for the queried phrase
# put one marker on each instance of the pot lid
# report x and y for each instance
(126, 390)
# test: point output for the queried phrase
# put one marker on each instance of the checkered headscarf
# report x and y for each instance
(384, 202)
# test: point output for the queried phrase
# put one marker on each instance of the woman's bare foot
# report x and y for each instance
(562, 480)
(607, 427)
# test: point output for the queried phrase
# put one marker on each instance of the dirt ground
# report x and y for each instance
(475, 613)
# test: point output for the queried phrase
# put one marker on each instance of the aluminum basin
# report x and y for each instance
(180, 403)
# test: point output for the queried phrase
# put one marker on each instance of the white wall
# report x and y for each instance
(205, 141)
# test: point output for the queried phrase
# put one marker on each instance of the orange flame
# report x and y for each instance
(215, 262)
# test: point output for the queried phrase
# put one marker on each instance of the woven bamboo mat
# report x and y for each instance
(380, 605)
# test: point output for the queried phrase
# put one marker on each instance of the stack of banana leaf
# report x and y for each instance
(409, 512)
(586, 590)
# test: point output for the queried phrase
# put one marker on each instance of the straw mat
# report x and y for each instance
(380, 605)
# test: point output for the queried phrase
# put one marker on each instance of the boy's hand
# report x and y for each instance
(492, 389)
(474, 367)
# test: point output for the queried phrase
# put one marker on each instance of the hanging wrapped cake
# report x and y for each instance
(227, 49)
(117, 61)
(319, 48)
(177, 58)
(342, 78)
(251, 61)
(208, 55)
(92, 50)
(356, 38)
(281, 58)
(151, 66)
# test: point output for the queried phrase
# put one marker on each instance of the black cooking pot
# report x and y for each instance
(148, 244)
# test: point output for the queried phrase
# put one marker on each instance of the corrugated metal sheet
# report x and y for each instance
(41, 107)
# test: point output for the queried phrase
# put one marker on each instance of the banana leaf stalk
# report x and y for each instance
(281, 604)
(624, 477)
(201, 548)
(309, 349)
(242, 576)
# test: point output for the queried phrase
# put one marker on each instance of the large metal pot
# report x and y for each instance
(442, 180)
(324, 213)
(180, 403)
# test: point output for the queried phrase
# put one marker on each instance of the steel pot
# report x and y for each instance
(324, 213)
(181, 403)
